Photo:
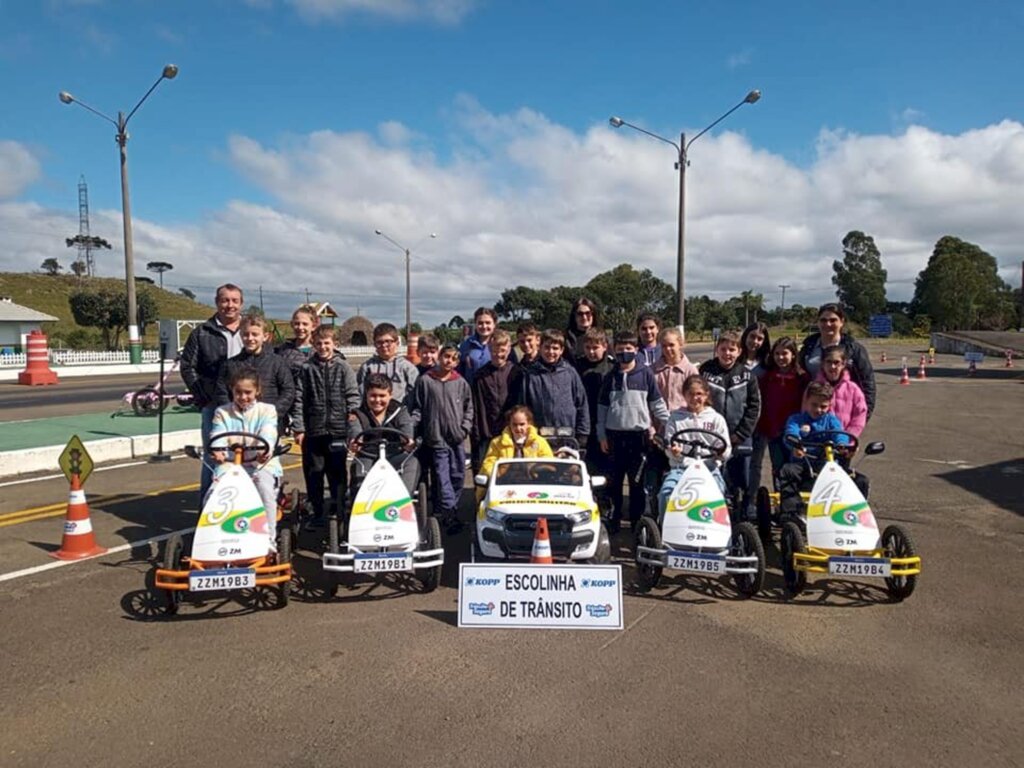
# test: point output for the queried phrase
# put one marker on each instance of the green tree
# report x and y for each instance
(51, 267)
(160, 267)
(519, 303)
(960, 288)
(623, 293)
(187, 293)
(107, 310)
(859, 278)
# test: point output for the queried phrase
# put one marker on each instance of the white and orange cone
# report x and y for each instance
(883, 356)
(905, 376)
(541, 544)
(1009, 358)
(920, 370)
(79, 540)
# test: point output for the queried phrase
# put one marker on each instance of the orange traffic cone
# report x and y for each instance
(905, 376)
(79, 540)
(920, 369)
(883, 356)
(541, 544)
(1009, 358)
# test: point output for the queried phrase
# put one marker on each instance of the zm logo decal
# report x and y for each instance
(481, 609)
(599, 611)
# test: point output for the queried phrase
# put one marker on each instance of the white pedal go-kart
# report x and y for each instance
(231, 546)
(695, 533)
(519, 491)
(843, 539)
(387, 533)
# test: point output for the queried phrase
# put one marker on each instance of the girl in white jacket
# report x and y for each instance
(697, 415)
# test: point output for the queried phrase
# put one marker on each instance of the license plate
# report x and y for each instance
(382, 562)
(696, 562)
(860, 566)
(224, 578)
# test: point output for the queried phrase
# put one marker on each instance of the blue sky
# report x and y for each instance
(273, 94)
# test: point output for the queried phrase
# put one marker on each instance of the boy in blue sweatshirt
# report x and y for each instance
(815, 418)
(629, 399)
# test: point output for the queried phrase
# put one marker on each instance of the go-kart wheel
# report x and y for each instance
(422, 511)
(431, 577)
(791, 542)
(284, 555)
(897, 543)
(747, 543)
(173, 548)
(647, 535)
(763, 503)
(603, 553)
(148, 402)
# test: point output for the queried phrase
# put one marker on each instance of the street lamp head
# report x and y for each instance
(377, 232)
(66, 97)
(170, 71)
(615, 122)
(433, 234)
(753, 96)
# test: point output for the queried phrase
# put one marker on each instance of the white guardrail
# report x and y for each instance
(62, 357)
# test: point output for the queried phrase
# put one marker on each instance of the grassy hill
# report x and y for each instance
(44, 293)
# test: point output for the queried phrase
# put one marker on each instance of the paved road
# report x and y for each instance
(72, 396)
(381, 676)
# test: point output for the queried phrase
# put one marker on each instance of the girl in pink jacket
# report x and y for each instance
(848, 402)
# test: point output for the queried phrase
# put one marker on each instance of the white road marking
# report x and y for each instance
(954, 463)
(113, 550)
(635, 621)
(98, 469)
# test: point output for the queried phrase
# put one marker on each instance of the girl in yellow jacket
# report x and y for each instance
(518, 440)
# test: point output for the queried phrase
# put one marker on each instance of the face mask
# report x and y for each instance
(625, 358)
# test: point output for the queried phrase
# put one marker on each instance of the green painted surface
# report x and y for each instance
(34, 433)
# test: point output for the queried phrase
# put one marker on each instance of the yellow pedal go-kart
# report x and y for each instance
(838, 535)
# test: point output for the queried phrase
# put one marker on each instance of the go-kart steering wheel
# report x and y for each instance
(699, 448)
(387, 434)
(538, 472)
(816, 441)
(262, 445)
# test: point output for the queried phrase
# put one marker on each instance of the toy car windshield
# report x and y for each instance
(539, 473)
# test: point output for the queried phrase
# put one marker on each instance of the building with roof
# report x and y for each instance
(16, 322)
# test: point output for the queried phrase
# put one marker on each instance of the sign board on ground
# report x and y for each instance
(75, 460)
(973, 357)
(880, 326)
(504, 596)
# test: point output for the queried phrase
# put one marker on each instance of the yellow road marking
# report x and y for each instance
(54, 510)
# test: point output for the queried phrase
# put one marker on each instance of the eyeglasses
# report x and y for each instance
(584, 313)
(829, 320)
(386, 342)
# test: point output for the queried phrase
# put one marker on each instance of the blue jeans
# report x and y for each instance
(449, 463)
(205, 474)
(672, 479)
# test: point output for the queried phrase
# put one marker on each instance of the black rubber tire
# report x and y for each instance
(763, 503)
(422, 507)
(603, 553)
(430, 578)
(746, 542)
(173, 548)
(647, 535)
(792, 541)
(148, 402)
(284, 555)
(897, 543)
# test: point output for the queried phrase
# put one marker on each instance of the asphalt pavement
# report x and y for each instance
(93, 675)
(73, 396)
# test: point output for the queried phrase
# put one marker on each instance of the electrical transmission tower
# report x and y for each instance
(85, 242)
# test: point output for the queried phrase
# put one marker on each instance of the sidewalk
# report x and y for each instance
(35, 444)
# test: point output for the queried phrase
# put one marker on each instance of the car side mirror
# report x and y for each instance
(874, 448)
(480, 481)
(598, 481)
(192, 451)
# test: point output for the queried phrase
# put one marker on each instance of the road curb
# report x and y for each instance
(44, 458)
(74, 371)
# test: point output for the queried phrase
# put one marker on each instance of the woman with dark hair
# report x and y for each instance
(582, 318)
(755, 347)
(831, 320)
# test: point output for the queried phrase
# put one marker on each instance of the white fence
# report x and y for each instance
(61, 357)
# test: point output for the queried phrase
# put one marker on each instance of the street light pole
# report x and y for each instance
(121, 124)
(682, 161)
(782, 307)
(408, 279)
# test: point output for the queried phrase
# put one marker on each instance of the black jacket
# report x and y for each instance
(494, 392)
(592, 375)
(735, 395)
(277, 384)
(326, 394)
(201, 359)
(293, 356)
(396, 416)
(858, 363)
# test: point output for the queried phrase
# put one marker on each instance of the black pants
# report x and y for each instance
(627, 452)
(797, 476)
(319, 460)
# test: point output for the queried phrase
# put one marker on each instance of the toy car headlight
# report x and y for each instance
(580, 518)
(496, 516)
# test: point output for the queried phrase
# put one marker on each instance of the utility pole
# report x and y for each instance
(261, 301)
(782, 306)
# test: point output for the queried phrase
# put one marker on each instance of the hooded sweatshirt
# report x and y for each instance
(628, 400)
(493, 391)
(473, 355)
(848, 402)
(857, 361)
(504, 447)
(734, 394)
(400, 370)
(556, 396)
(442, 409)
(670, 380)
(277, 383)
(708, 419)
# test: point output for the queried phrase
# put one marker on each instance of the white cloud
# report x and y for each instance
(439, 11)
(739, 59)
(523, 200)
(18, 168)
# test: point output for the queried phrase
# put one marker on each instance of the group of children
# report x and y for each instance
(490, 393)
